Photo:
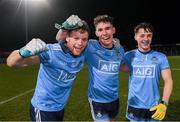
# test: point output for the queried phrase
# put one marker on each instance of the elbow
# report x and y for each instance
(13, 59)
(10, 63)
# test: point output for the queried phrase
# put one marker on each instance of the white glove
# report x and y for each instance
(35, 46)
(116, 42)
(72, 22)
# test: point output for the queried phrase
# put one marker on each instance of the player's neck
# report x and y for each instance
(110, 46)
(144, 51)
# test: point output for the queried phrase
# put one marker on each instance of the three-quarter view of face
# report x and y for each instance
(143, 35)
(143, 38)
(105, 31)
(77, 41)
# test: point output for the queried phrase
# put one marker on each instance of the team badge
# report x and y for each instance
(99, 114)
(154, 59)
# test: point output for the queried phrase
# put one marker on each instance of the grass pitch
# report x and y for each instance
(17, 87)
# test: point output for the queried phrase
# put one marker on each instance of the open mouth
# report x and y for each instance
(78, 49)
(146, 42)
(105, 38)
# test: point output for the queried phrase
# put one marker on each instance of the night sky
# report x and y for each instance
(164, 16)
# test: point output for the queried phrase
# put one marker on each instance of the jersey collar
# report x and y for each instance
(145, 52)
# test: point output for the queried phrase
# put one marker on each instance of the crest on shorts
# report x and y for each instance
(99, 114)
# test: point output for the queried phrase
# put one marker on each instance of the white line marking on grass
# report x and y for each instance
(12, 98)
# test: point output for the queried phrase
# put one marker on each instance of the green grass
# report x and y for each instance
(15, 81)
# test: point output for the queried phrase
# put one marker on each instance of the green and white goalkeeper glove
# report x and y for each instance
(73, 22)
(34, 47)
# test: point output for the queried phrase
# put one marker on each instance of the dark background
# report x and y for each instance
(163, 15)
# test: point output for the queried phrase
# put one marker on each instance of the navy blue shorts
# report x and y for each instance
(38, 115)
(104, 111)
(138, 114)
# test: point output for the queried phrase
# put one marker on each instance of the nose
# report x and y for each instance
(80, 42)
(104, 32)
(145, 37)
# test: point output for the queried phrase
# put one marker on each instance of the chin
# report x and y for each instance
(109, 42)
(146, 49)
(76, 53)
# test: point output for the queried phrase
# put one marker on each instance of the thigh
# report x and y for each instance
(112, 109)
(38, 115)
(132, 118)
(104, 111)
(139, 114)
(98, 112)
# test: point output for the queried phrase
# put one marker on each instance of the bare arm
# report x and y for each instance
(61, 35)
(15, 60)
(168, 84)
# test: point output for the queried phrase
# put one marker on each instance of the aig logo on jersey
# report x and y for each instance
(144, 71)
(108, 67)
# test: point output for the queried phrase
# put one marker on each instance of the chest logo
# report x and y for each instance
(108, 67)
(144, 71)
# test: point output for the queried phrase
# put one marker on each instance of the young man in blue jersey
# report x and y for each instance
(103, 58)
(146, 67)
(59, 66)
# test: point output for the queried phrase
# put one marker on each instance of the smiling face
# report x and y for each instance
(77, 41)
(143, 36)
(105, 31)
(144, 39)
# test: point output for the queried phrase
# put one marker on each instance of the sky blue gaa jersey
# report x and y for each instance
(145, 73)
(103, 68)
(58, 69)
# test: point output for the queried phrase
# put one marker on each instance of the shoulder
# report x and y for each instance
(158, 54)
(93, 41)
(122, 48)
(55, 46)
(131, 52)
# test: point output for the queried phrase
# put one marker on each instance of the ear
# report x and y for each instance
(96, 33)
(114, 30)
(135, 37)
(67, 39)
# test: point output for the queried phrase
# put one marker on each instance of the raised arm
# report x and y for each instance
(26, 56)
(16, 60)
(61, 35)
(73, 22)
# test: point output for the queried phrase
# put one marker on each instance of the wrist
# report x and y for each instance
(20, 53)
(164, 102)
(24, 53)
